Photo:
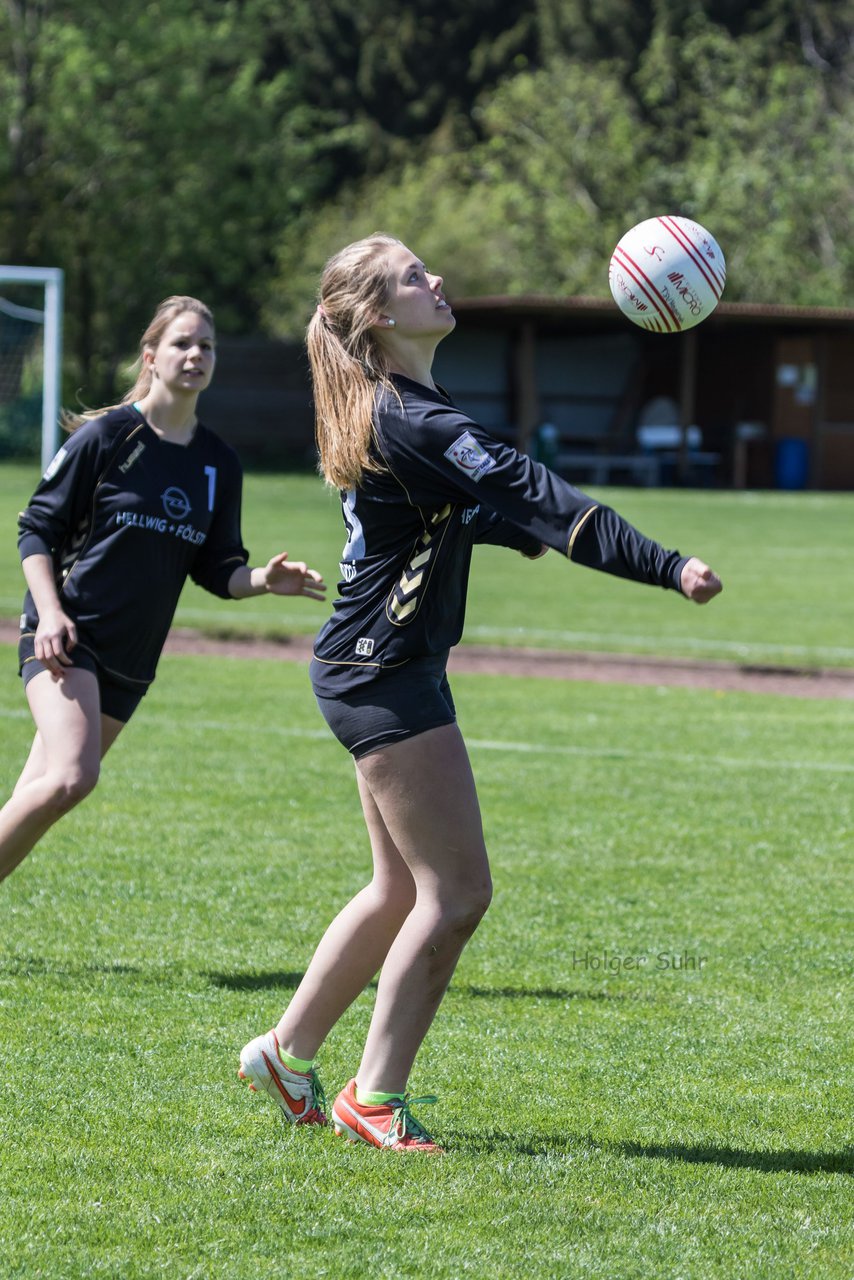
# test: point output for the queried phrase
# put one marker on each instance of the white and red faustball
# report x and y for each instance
(667, 274)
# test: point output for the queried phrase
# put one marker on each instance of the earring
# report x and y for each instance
(391, 323)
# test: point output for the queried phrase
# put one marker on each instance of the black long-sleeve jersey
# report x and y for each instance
(126, 517)
(445, 485)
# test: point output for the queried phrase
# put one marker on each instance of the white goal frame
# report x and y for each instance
(52, 278)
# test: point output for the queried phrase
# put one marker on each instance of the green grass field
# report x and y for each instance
(644, 1061)
(783, 557)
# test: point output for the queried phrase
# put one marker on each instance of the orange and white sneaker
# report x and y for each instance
(300, 1095)
(391, 1126)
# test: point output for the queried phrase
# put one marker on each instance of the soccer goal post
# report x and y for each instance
(31, 353)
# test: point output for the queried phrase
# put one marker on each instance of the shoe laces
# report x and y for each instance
(403, 1122)
(318, 1097)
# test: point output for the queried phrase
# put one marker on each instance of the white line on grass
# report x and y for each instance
(562, 749)
(232, 727)
(620, 753)
(656, 644)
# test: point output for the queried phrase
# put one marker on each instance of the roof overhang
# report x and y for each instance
(603, 310)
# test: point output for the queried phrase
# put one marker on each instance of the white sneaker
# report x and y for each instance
(299, 1094)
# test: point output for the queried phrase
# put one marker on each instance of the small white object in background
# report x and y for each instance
(669, 437)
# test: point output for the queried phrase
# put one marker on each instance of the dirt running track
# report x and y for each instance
(826, 682)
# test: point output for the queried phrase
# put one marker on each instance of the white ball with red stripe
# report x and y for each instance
(667, 274)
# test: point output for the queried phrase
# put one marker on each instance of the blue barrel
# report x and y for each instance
(791, 463)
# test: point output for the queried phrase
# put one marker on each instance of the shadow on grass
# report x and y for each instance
(39, 967)
(534, 993)
(734, 1158)
(256, 981)
(290, 981)
(725, 1157)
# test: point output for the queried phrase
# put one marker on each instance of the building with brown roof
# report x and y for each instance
(757, 396)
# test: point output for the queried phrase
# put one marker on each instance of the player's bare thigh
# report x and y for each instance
(424, 789)
(70, 726)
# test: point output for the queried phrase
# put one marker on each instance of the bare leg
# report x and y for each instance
(425, 792)
(353, 947)
(72, 736)
(430, 889)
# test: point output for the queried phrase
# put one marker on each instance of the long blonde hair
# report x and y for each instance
(348, 364)
(166, 312)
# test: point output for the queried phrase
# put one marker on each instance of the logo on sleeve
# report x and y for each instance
(55, 464)
(470, 457)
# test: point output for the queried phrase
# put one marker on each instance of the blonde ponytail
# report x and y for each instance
(348, 365)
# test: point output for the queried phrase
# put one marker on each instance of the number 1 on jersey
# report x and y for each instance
(210, 472)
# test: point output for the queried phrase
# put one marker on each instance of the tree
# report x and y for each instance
(771, 169)
(560, 161)
(526, 206)
(150, 155)
(396, 69)
(225, 149)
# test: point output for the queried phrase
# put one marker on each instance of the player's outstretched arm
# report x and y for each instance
(698, 582)
(280, 577)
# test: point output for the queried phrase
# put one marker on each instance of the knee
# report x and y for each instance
(463, 908)
(69, 788)
(395, 895)
(478, 903)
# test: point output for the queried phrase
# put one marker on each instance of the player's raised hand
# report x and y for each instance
(286, 579)
(698, 582)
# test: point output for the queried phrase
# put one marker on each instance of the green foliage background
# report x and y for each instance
(226, 148)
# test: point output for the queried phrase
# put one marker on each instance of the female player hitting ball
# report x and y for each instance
(140, 496)
(420, 484)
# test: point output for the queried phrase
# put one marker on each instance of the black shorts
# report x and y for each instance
(117, 700)
(399, 704)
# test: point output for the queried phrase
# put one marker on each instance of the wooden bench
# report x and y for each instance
(645, 467)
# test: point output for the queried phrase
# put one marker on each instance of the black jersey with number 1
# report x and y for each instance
(126, 517)
(444, 485)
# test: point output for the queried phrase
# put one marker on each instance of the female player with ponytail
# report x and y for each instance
(420, 485)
